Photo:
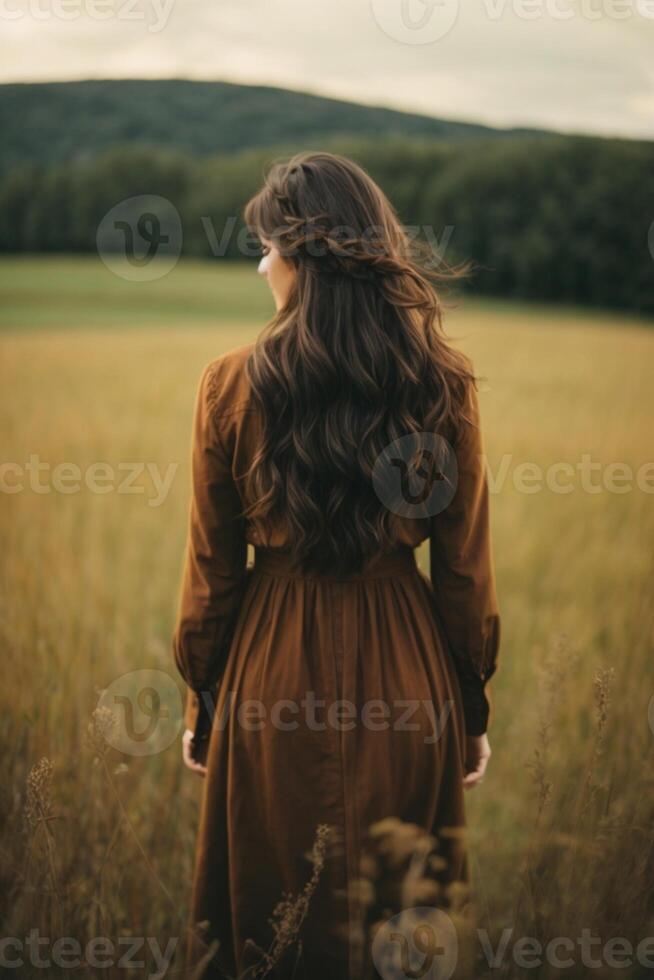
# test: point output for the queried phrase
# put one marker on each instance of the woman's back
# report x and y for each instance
(336, 684)
(238, 421)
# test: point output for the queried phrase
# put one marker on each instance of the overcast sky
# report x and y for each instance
(572, 65)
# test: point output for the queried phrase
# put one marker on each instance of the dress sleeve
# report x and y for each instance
(462, 573)
(215, 562)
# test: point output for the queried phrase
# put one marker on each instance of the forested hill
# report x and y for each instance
(51, 123)
(556, 218)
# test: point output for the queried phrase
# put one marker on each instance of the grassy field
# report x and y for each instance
(99, 370)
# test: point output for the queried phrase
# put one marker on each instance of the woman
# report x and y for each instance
(350, 687)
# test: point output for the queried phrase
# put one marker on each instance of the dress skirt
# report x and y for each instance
(339, 707)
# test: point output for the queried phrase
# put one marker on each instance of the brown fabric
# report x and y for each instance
(279, 767)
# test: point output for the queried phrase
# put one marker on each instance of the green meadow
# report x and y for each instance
(100, 370)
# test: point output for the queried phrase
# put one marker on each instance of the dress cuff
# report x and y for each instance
(198, 717)
(476, 707)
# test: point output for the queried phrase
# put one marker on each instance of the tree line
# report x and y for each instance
(567, 219)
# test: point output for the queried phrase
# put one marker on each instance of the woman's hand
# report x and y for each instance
(187, 754)
(478, 753)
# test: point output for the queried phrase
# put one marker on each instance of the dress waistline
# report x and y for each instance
(274, 561)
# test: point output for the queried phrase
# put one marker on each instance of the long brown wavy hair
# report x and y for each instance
(354, 360)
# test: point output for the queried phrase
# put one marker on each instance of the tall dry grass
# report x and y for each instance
(561, 830)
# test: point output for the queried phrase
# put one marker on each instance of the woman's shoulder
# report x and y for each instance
(225, 382)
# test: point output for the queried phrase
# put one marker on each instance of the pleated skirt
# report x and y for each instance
(339, 708)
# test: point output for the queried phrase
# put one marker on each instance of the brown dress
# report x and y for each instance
(408, 656)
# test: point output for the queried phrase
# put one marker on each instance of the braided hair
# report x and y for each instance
(354, 359)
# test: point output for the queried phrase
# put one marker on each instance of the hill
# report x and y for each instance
(54, 122)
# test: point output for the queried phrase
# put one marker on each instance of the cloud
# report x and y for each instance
(579, 65)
